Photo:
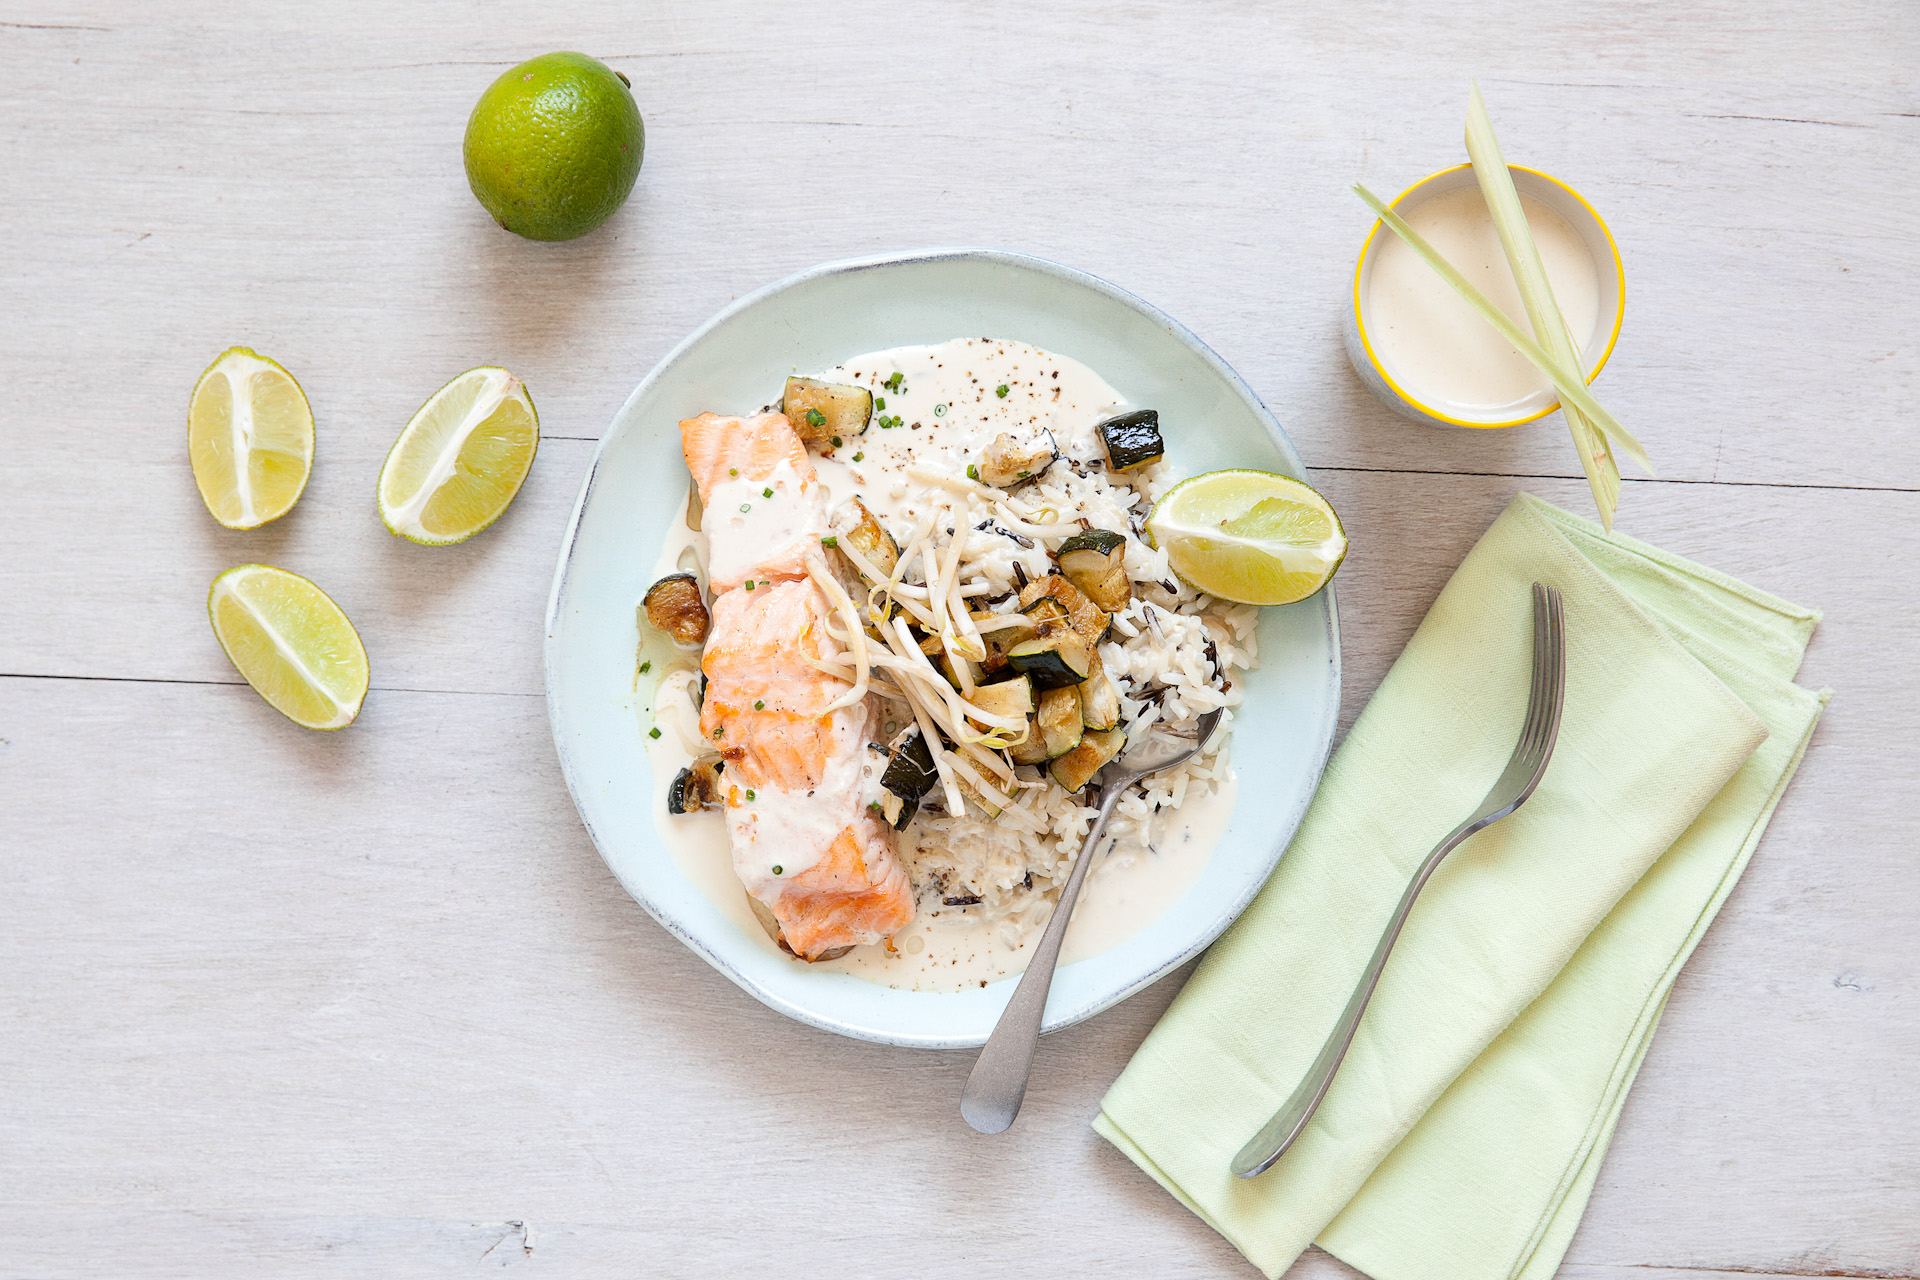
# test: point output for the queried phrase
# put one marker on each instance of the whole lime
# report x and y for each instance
(554, 145)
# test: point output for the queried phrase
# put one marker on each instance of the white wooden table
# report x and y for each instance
(276, 1002)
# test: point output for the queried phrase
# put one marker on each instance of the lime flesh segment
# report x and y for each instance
(1249, 536)
(250, 439)
(461, 459)
(292, 643)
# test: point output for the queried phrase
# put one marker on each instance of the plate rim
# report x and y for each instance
(848, 266)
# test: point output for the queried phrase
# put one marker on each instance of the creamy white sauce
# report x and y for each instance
(749, 523)
(1433, 344)
(949, 410)
(777, 834)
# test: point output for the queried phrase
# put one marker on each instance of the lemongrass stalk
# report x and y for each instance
(1570, 385)
(1536, 291)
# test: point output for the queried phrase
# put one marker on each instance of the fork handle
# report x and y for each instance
(998, 1083)
(1287, 1124)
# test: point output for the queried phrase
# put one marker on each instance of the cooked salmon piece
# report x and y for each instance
(764, 507)
(797, 781)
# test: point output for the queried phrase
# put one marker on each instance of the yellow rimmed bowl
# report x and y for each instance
(1392, 386)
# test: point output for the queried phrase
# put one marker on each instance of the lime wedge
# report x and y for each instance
(461, 459)
(1249, 536)
(292, 643)
(250, 439)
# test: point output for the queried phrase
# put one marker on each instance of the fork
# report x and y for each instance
(998, 1083)
(1516, 783)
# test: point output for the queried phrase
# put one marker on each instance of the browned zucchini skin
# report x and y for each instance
(1133, 439)
(675, 605)
(1052, 660)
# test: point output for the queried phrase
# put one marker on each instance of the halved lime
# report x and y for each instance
(250, 439)
(292, 643)
(1249, 536)
(461, 459)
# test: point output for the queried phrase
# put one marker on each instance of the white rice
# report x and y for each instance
(1005, 872)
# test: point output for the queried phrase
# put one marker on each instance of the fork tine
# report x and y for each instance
(1550, 633)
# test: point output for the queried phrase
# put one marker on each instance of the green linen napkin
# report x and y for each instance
(1464, 1131)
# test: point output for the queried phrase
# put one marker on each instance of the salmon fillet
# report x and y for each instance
(797, 781)
(764, 507)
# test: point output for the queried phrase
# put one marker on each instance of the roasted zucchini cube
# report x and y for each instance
(1095, 562)
(1087, 618)
(868, 537)
(1099, 699)
(1052, 659)
(1008, 462)
(822, 410)
(676, 606)
(1008, 698)
(1075, 769)
(909, 773)
(696, 786)
(1034, 749)
(1061, 721)
(1133, 439)
(1002, 638)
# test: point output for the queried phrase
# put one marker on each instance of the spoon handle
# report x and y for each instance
(999, 1081)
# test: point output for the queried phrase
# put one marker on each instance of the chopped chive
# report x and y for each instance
(815, 418)
(746, 506)
(720, 732)
(766, 493)
(893, 383)
(749, 584)
(777, 868)
(646, 667)
(830, 541)
(733, 471)
(749, 793)
(939, 411)
(973, 472)
(858, 456)
(653, 733)
(879, 402)
(759, 704)
(836, 442)
(1001, 391)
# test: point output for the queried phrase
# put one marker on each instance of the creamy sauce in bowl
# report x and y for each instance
(1435, 345)
(1424, 352)
(946, 404)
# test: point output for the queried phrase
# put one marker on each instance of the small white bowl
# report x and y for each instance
(1595, 347)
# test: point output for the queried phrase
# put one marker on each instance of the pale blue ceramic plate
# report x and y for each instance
(736, 362)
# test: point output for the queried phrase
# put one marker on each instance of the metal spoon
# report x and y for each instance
(999, 1081)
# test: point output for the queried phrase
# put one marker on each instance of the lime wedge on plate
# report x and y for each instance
(250, 439)
(292, 643)
(1249, 536)
(461, 459)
